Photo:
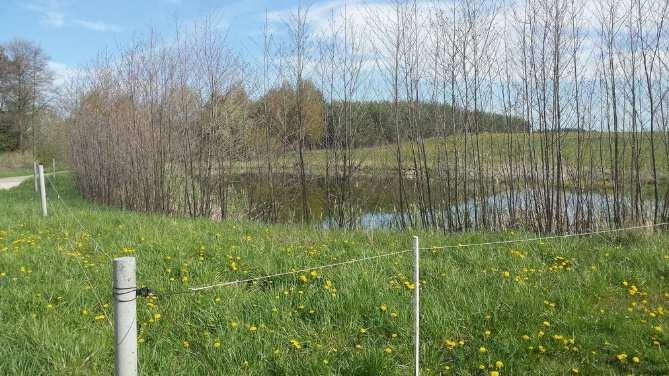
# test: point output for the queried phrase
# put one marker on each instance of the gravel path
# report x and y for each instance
(7, 183)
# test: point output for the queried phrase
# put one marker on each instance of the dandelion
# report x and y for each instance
(49, 306)
(217, 344)
(494, 373)
(506, 274)
(487, 333)
(303, 278)
(295, 344)
(314, 274)
(483, 350)
(363, 331)
(185, 344)
(574, 370)
(636, 359)
(499, 364)
(84, 312)
(383, 307)
(388, 350)
(621, 357)
(525, 337)
(99, 317)
(546, 324)
(253, 328)
(156, 316)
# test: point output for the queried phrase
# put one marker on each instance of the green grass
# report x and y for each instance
(378, 160)
(566, 289)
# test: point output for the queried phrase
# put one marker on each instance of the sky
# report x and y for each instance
(73, 32)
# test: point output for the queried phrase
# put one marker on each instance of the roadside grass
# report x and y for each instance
(589, 305)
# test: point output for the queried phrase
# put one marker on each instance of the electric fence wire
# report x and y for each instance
(327, 266)
(83, 268)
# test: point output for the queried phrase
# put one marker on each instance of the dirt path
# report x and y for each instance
(15, 181)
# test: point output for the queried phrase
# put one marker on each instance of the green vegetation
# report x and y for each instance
(593, 305)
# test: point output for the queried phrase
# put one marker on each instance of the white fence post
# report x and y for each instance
(42, 189)
(125, 316)
(416, 283)
(35, 176)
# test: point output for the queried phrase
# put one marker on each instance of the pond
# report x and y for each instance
(372, 203)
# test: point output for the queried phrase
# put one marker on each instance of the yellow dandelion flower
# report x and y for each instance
(574, 370)
(185, 344)
(217, 344)
(621, 357)
(303, 278)
(636, 359)
(506, 274)
(494, 373)
(487, 333)
(295, 344)
(388, 350)
(383, 307)
(156, 316)
(483, 350)
(525, 337)
(546, 324)
(253, 328)
(499, 364)
(99, 317)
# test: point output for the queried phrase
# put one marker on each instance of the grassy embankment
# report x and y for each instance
(379, 160)
(591, 305)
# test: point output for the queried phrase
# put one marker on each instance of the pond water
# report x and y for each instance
(373, 203)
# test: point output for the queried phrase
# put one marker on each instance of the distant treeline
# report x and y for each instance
(375, 126)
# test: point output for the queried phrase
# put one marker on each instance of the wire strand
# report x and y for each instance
(508, 241)
(541, 238)
(83, 269)
(97, 245)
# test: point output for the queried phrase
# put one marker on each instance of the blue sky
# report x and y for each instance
(72, 32)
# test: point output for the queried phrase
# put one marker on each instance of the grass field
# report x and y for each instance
(494, 146)
(586, 306)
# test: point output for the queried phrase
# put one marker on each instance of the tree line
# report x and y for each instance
(542, 114)
(25, 82)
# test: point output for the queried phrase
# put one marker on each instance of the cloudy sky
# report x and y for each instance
(72, 32)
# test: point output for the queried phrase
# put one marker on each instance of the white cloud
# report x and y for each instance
(50, 15)
(62, 73)
(97, 26)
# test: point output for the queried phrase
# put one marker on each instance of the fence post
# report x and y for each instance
(416, 283)
(125, 316)
(35, 176)
(42, 189)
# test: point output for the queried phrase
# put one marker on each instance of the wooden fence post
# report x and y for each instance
(42, 189)
(416, 283)
(125, 316)
(35, 176)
